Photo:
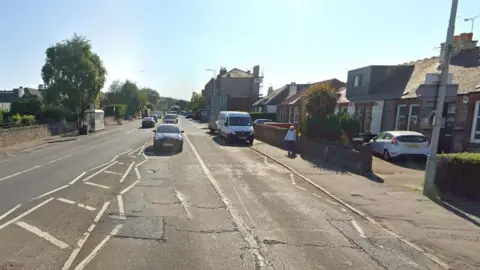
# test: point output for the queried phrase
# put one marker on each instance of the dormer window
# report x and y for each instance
(357, 81)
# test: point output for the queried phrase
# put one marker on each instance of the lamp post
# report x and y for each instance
(472, 19)
(429, 188)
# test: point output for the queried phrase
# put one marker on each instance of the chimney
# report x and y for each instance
(223, 70)
(270, 90)
(462, 42)
(256, 71)
(292, 89)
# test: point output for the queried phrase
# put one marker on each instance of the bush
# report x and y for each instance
(56, 114)
(334, 127)
(350, 125)
(2, 112)
(26, 107)
(458, 174)
(321, 99)
(118, 110)
(262, 115)
(15, 119)
(27, 120)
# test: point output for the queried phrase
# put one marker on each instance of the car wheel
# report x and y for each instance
(212, 131)
(386, 155)
(250, 142)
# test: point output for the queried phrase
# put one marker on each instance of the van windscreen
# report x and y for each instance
(239, 121)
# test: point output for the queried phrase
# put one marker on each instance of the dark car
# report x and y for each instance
(189, 115)
(170, 118)
(148, 122)
(168, 135)
(262, 121)
(155, 118)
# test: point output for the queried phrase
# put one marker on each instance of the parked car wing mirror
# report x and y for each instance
(183, 131)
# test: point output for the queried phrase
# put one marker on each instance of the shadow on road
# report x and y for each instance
(164, 152)
(462, 208)
(221, 141)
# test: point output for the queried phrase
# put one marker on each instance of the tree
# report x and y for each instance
(321, 99)
(73, 74)
(127, 93)
(152, 95)
(195, 101)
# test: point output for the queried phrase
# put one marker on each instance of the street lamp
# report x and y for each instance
(471, 20)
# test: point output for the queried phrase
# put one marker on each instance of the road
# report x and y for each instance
(212, 206)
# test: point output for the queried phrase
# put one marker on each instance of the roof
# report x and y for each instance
(404, 133)
(302, 88)
(237, 73)
(465, 67)
(273, 98)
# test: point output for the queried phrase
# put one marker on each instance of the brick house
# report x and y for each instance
(290, 110)
(386, 97)
(242, 88)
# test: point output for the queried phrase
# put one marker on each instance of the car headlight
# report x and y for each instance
(158, 137)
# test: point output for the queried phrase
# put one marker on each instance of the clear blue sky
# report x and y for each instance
(166, 45)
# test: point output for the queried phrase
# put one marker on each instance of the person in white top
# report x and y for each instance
(290, 139)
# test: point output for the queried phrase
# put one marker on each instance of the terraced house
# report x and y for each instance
(391, 97)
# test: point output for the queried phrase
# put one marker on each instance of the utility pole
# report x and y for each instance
(429, 188)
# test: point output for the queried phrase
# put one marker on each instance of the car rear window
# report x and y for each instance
(168, 129)
(170, 116)
(412, 139)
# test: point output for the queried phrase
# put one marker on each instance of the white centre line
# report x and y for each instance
(137, 172)
(130, 131)
(42, 234)
(77, 178)
(95, 251)
(129, 187)
(127, 172)
(121, 209)
(96, 185)
(358, 228)
(99, 172)
(9, 212)
(110, 172)
(24, 214)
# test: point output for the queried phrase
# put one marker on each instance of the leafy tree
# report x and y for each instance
(152, 95)
(321, 99)
(196, 101)
(73, 74)
(127, 93)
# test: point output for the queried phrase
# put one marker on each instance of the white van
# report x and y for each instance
(235, 126)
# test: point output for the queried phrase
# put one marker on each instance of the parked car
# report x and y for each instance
(189, 115)
(262, 121)
(196, 116)
(168, 135)
(148, 122)
(391, 144)
(155, 118)
(170, 118)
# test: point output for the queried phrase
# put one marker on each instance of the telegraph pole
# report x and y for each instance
(429, 188)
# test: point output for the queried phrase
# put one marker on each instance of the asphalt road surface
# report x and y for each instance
(212, 206)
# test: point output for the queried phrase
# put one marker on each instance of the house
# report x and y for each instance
(8, 96)
(392, 97)
(242, 88)
(270, 102)
(289, 111)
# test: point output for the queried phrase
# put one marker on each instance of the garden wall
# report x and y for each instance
(15, 135)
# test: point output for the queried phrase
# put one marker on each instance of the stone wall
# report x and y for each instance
(13, 136)
(356, 160)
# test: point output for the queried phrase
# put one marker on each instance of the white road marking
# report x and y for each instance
(110, 172)
(81, 205)
(265, 160)
(129, 187)
(343, 209)
(183, 204)
(75, 252)
(302, 188)
(96, 185)
(141, 149)
(102, 210)
(9, 212)
(358, 228)
(25, 213)
(95, 251)
(121, 163)
(242, 228)
(318, 196)
(121, 209)
(99, 172)
(137, 172)
(293, 179)
(130, 131)
(77, 178)
(141, 163)
(332, 202)
(50, 192)
(127, 172)
(42, 234)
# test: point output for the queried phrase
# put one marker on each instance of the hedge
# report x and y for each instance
(26, 107)
(458, 174)
(118, 110)
(262, 115)
(57, 114)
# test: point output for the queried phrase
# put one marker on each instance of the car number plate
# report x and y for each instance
(168, 144)
(242, 138)
(412, 146)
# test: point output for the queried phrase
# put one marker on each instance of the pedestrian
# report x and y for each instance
(290, 139)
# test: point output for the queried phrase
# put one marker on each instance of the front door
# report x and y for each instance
(445, 142)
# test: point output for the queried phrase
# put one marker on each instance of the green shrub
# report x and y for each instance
(334, 127)
(56, 113)
(350, 125)
(262, 115)
(118, 110)
(26, 107)
(458, 174)
(2, 112)
(27, 120)
(15, 119)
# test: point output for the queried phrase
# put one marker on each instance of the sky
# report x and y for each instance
(168, 45)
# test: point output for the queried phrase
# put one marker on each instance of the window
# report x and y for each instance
(296, 115)
(401, 121)
(357, 81)
(475, 136)
(413, 116)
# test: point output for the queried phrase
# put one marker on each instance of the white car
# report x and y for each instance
(391, 144)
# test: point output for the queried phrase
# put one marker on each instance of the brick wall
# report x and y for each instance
(13, 136)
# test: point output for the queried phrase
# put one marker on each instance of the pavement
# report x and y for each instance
(111, 202)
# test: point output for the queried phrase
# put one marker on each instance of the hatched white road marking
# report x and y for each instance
(137, 172)
(293, 179)
(110, 172)
(127, 172)
(50, 192)
(99, 172)
(25, 213)
(97, 185)
(42, 234)
(89, 208)
(77, 178)
(358, 228)
(9, 212)
(121, 210)
(129, 187)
